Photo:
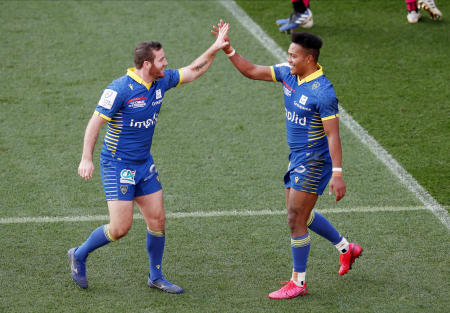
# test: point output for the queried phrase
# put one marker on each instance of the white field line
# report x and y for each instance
(199, 214)
(406, 178)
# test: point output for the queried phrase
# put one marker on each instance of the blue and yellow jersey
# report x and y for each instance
(307, 102)
(131, 107)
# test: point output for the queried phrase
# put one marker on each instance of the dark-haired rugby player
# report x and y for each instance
(312, 123)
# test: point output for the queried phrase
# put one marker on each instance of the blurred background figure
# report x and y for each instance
(300, 17)
(413, 7)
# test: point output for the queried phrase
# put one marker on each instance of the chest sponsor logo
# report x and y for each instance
(136, 103)
(127, 177)
(145, 124)
(155, 103)
(303, 99)
(158, 94)
(107, 99)
(293, 117)
(301, 106)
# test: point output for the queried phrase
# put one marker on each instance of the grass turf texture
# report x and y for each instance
(206, 256)
(219, 145)
(391, 76)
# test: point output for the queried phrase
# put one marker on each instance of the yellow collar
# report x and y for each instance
(312, 76)
(132, 74)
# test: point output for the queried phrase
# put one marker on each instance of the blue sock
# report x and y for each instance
(320, 225)
(300, 251)
(155, 248)
(99, 237)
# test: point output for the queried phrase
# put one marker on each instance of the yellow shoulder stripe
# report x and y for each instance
(272, 71)
(102, 115)
(330, 117)
(181, 77)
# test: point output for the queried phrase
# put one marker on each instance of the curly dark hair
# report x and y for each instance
(311, 43)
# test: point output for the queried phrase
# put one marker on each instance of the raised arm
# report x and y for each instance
(248, 69)
(202, 63)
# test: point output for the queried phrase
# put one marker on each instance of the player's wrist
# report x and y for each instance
(228, 49)
(230, 52)
(86, 158)
(337, 171)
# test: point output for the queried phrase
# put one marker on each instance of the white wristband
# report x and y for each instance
(231, 53)
(337, 169)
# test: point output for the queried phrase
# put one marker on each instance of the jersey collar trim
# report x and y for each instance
(132, 74)
(312, 76)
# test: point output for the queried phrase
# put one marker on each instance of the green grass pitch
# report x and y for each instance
(390, 75)
(219, 146)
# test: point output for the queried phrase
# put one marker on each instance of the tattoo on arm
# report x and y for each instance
(197, 68)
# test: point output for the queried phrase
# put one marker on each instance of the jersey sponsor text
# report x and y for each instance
(147, 123)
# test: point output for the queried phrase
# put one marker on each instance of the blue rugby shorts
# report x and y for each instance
(309, 172)
(125, 181)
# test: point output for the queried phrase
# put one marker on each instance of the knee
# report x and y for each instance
(161, 219)
(292, 218)
(297, 219)
(157, 221)
(118, 231)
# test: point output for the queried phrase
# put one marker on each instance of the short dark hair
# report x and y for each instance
(308, 41)
(144, 52)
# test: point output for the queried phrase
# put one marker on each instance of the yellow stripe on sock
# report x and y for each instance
(300, 242)
(108, 234)
(159, 233)
(310, 219)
